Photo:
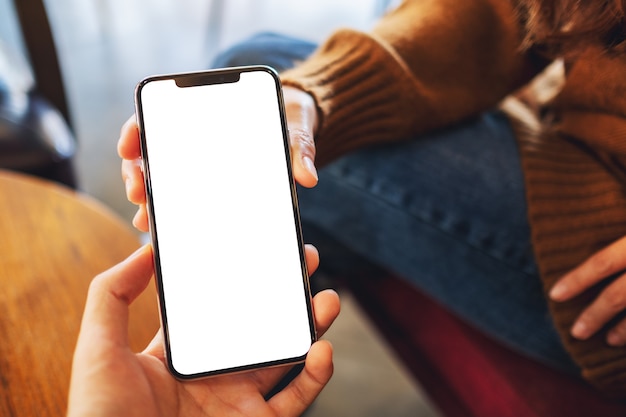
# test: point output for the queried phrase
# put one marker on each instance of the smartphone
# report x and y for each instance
(230, 269)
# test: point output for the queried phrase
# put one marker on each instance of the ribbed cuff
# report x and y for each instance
(363, 93)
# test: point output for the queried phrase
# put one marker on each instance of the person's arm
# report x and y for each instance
(427, 64)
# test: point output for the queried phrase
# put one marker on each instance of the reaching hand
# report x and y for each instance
(108, 379)
(301, 115)
(611, 301)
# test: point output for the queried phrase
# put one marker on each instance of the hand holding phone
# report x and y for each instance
(106, 378)
(219, 181)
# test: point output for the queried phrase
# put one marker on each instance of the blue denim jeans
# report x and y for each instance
(446, 211)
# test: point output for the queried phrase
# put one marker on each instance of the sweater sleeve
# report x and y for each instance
(427, 64)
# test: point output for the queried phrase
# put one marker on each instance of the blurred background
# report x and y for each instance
(106, 46)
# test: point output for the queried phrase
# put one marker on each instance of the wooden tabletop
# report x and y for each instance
(52, 242)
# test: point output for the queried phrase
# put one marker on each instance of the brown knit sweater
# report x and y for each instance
(431, 63)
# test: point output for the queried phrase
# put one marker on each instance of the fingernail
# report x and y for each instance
(579, 331)
(310, 166)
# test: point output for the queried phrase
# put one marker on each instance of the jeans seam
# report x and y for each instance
(349, 179)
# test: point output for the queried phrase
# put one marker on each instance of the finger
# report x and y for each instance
(610, 302)
(303, 157)
(312, 258)
(140, 221)
(599, 266)
(155, 347)
(128, 146)
(132, 175)
(326, 306)
(304, 389)
(110, 294)
(302, 120)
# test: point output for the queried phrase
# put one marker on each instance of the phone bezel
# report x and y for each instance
(200, 78)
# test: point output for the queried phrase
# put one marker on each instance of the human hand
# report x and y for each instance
(301, 116)
(108, 379)
(610, 302)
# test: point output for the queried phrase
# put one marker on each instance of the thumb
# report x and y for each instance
(303, 155)
(304, 389)
(111, 293)
(302, 120)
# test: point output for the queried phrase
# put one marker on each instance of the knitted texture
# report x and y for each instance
(575, 181)
(411, 75)
(432, 63)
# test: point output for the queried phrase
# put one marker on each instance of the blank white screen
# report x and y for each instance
(228, 246)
